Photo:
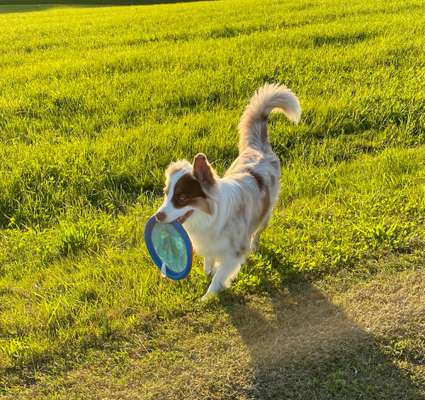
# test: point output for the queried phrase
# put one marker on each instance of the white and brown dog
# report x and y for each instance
(224, 217)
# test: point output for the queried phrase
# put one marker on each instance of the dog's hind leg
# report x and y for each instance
(256, 235)
(226, 272)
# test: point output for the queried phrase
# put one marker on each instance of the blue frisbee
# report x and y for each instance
(170, 248)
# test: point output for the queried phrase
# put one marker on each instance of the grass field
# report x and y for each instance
(95, 102)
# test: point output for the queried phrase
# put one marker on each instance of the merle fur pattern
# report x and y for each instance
(224, 216)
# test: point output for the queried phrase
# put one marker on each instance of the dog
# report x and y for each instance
(224, 216)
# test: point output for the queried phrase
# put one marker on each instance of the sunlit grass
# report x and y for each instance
(95, 102)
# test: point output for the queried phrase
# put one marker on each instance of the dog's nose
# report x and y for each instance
(160, 216)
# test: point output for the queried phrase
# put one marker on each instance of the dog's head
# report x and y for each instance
(187, 189)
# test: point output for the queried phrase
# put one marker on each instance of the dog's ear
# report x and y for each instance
(203, 171)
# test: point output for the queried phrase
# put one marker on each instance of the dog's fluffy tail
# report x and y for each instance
(253, 123)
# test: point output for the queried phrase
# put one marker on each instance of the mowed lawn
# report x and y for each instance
(94, 104)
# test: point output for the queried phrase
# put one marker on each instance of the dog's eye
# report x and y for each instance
(182, 197)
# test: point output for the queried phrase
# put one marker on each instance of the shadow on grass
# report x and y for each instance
(304, 347)
(29, 6)
(19, 8)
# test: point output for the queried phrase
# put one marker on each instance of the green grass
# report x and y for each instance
(95, 102)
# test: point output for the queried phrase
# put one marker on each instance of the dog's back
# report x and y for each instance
(257, 168)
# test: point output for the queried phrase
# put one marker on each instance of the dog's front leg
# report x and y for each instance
(209, 266)
(227, 270)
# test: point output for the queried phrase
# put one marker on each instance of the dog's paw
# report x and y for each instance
(211, 293)
(205, 297)
(208, 296)
(213, 290)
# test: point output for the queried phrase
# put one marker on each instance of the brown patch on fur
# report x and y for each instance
(266, 203)
(258, 178)
(188, 191)
(263, 188)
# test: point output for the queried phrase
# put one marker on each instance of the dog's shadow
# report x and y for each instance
(304, 347)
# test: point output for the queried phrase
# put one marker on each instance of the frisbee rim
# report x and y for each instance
(169, 273)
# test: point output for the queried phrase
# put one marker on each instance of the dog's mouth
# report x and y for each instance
(184, 217)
